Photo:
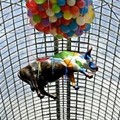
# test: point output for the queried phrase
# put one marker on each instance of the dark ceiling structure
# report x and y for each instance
(20, 44)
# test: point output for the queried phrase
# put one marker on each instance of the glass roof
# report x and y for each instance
(20, 44)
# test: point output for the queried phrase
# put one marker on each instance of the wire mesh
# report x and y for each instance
(20, 44)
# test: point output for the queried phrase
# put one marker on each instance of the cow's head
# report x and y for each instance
(89, 62)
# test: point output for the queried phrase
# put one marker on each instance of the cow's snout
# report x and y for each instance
(93, 66)
(96, 68)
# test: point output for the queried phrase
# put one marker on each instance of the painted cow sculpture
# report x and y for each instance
(44, 70)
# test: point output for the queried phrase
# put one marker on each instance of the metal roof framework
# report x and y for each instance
(20, 44)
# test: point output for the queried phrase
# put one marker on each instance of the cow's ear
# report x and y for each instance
(88, 53)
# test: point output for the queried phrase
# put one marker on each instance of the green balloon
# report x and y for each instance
(36, 18)
(56, 8)
(40, 1)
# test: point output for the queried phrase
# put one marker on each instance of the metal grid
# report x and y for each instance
(97, 99)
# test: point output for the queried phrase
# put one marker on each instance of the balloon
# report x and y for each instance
(39, 27)
(61, 18)
(39, 1)
(47, 5)
(53, 1)
(80, 3)
(59, 36)
(65, 28)
(61, 2)
(67, 15)
(84, 10)
(78, 32)
(80, 20)
(57, 23)
(45, 22)
(65, 8)
(56, 8)
(53, 19)
(74, 10)
(59, 15)
(43, 14)
(29, 13)
(88, 26)
(70, 34)
(82, 27)
(73, 25)
(31, 4)
(64, 21)
(32, 22)
(71, 2)
(49, 12)
(36, 18)
(41, 8)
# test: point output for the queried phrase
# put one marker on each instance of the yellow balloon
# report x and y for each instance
(53, 1)
(67, 15)
(89, 17)
(90, 8)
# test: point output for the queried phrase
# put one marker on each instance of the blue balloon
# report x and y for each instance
(70, 34)
(84, 10)
(88, 26)
(59, 15)
(73, 25)
(65, 28)
(86, 1)
(61, 2)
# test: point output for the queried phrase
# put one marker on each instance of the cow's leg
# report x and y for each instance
(72, 79)
(42, 90)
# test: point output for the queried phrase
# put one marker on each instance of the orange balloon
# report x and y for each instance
(74, 10)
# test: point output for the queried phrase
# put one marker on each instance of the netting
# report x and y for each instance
(20, 44)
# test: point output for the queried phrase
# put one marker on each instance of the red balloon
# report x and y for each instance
(59, 31)
(82, 27)
(57, 23)
(65, 8)
(47, 29)
(64, 21)
(39, 27)
(80, 3)
(43, 14)
(47, 5)
(31, 4)
(34, 11)
(74, 10)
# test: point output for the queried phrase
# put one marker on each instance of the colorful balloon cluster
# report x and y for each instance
(61, 18)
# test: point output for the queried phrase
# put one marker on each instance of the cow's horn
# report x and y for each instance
(88, 53)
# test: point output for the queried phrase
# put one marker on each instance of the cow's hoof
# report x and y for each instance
(55, 97)
(40, 96)
(76, 87)
(32, 88)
